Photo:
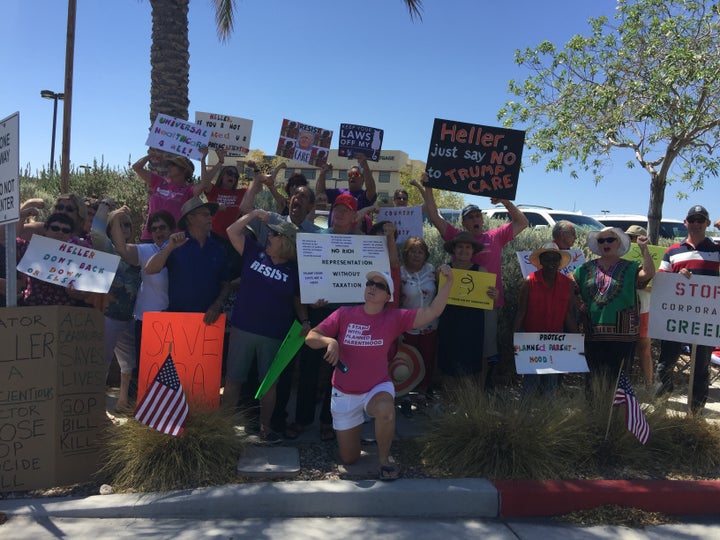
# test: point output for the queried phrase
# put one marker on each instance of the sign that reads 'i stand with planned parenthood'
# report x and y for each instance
(9, 169)
(475, 159)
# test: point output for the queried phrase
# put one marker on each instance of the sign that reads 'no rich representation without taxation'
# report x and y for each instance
(475, 159)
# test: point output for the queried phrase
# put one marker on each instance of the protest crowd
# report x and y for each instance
(206, 248)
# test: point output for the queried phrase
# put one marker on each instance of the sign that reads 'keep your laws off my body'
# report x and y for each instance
(475, 159)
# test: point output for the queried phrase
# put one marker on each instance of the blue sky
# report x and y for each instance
(320, 62)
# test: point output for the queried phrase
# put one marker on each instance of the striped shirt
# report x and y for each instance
(703, 259)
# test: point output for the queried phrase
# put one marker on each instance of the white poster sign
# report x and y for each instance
(10, 169)
(577, 258)
(333, 266)
(407, 219)
(229, 132)
(62, 263)
(546, 353)
(685, 310)
(178, 136)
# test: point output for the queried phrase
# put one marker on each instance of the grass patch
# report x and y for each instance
(139, 458)
(617, 516)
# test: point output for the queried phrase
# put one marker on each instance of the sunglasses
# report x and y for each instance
(57, 228)
(609, 240)
(158, 228)
(354, 174)
(65, 208)
(696, 220)
(378, 285)
(401, 198)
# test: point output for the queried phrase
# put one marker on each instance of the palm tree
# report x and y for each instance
(170, 51)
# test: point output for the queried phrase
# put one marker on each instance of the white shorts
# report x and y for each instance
(347, 409)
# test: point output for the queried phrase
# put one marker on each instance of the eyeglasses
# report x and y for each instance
(378, 285)
(696, 220)
(65, 208)
(158, 228)
(609, 240)
(57, 228)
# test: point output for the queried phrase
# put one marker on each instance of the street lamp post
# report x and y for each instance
(55, 96)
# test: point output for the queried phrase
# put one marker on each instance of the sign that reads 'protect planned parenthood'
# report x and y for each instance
(475, 159)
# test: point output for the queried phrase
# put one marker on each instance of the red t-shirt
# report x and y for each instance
(547, 306)
(229, 201)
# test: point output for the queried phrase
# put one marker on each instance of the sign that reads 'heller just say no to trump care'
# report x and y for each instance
(475, 159)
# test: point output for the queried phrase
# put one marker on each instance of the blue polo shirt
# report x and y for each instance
(195, 275)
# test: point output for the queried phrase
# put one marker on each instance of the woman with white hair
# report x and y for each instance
(607, 287)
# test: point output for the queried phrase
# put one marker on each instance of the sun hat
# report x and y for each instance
(636, 230)
(463, 237)
(194, 204)
(406, 369)
(346, 200)
(285, 228)
(550, 247)
(384, 276)
(183, 163)
(698, 210)
(624, 240)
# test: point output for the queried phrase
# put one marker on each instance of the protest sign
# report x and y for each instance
(685, 310)
(475, 159)
(333, 266)
(229, 132)
(356, 139)
(52, 396)
(178, 136)
(577, 258)
(408, 220)
(65, 264)
(469, 288)
(197, 350)
(656, 254)
(10, 169)
(545, 353)
(303, 142)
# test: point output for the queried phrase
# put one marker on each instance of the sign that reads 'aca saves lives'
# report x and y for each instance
(475, 159)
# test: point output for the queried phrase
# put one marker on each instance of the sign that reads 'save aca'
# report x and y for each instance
(475, 159)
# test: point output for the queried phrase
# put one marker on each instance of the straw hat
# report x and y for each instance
(550, 247)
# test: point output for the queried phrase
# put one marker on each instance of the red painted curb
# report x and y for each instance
(526, 498)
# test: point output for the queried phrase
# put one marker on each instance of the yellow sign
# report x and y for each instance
(656, 254)
(469, 289)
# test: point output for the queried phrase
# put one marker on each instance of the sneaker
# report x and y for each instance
(271, 438)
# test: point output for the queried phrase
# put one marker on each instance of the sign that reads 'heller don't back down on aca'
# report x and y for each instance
(475, 159)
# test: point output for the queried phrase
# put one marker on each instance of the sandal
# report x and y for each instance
(390, 472)
(293, 431)
(327, 433)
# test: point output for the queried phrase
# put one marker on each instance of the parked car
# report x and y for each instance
(542, 216)
(672, 229)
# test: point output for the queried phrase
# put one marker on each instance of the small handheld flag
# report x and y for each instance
(636, 422)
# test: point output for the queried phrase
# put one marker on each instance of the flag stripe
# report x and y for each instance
(634, 418)
(164, 407)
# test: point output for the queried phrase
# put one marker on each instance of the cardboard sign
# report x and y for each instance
(685, 310)
(577, 258)
(356, 139)
(408, 220)
(63, 263)
(303, 142)
(178, 136)
(334, 266)
(229, 132)
(197, 350)
(544, 354)
(52, 396)
(10, 169)
(469, 288)
(475, 159)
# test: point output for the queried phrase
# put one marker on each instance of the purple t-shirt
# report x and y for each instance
(364, 342)
(264, 301)
(490, 257)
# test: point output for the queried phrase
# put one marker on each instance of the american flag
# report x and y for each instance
(164, 407)
(636, 422)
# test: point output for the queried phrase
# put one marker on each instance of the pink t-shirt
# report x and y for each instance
(364, 343)
(166, 195)
(490, 257)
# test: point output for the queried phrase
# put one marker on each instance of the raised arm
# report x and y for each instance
(370, 188)
(236, 231)
(128, 252)
(270, 181)
(647, 272)
(256, 186)
(517, 218)
(157, 262)
(428, 314)
(427, 193)
(140, 170)
(207, 175)
(322, 176)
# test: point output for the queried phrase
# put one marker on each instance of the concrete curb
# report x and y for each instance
(431, 498)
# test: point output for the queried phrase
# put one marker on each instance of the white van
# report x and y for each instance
(672, 229)
(542, 216)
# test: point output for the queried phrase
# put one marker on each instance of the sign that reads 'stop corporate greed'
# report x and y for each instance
(333, 266)
(178, 136)
(475, 159)
(9, 169)
(228, 132)
(685, 310)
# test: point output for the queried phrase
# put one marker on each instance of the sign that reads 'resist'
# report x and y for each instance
(475, 159)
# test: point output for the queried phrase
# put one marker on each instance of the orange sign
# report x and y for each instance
(197, 350)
